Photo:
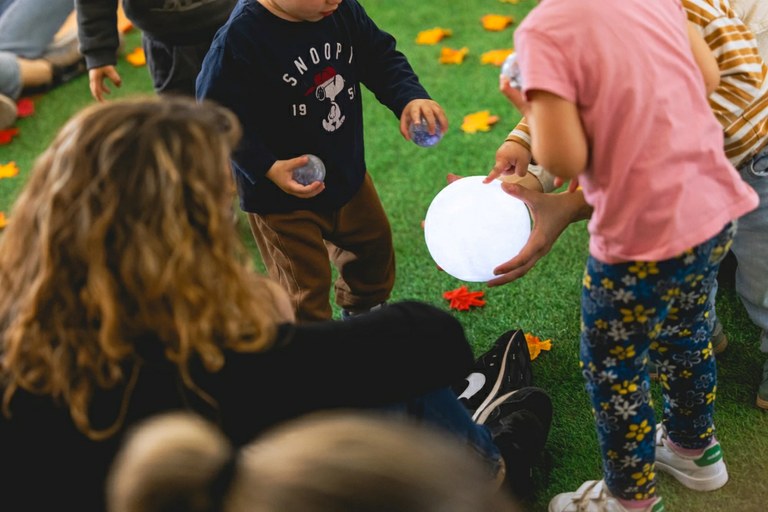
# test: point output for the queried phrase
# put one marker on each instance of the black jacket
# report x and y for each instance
(174, 22)
(382, 358)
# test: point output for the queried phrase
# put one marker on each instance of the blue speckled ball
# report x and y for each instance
(312, 171)
(511, 70)
(420, 135)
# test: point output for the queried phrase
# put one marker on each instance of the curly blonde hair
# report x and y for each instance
(123, 232)
(340, 461)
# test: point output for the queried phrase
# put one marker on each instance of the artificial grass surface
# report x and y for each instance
(545, 302)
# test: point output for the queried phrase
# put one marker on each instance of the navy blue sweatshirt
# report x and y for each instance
(295, 86)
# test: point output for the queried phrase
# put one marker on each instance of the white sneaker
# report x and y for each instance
(705, 472)
(593, 496)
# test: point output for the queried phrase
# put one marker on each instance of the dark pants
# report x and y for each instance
(174, 68)
(298, 247)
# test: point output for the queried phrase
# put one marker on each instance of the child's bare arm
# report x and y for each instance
(559, 143)
(705, 59)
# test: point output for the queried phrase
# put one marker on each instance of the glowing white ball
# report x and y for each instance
(471, 228)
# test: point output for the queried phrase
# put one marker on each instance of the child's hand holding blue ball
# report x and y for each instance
(419, 133)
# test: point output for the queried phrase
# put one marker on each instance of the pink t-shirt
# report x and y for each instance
(657, 177)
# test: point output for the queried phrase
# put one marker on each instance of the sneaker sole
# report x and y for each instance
(697, 484)
(496, 385)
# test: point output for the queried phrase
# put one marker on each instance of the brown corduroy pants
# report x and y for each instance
(298, 248)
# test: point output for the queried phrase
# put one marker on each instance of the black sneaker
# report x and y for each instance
(519, 423)
(506, 366)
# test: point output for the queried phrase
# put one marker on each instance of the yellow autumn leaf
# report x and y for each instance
(496, 22)
(451, 56)
(433, 35)
(8, 170)
(137, 58)
(478, 122)
(536, 345)
(510, 1)
(495, 57)
(3, 220)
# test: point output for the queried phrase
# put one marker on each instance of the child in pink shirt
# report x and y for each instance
(625, 111)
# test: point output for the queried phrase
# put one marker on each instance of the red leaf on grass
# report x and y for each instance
(25, 107)
(6, 136)
(462, 299)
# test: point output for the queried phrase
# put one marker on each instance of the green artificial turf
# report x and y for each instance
(545, 302)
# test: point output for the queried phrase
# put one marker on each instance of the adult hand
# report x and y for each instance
(511, 158)
(97, 78)
(551, 214)
(430, 110)
(281, 174)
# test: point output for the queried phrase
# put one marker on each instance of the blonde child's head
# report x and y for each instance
(338, 462)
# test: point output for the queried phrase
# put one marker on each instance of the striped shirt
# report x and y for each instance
(740, 101)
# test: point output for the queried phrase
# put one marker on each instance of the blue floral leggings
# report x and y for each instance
(664, 310)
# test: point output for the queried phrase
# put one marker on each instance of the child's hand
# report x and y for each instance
(513, 95)
(430, 110)
(281, 174)
(97, 81)
(511, 158)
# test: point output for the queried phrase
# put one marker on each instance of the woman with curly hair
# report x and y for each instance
(126, 292)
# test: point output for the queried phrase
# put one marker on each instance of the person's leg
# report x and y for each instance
(174, 68)
(441, 409)
(361, 248)
(293, 250)
(686, 446)
(619, 313)
(27, 27)
(510, 438)
(750, 247)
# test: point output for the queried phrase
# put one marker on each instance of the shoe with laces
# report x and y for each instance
(519, 422)
(593, 496)
(719, 344)
(505, 367)
(705, 472)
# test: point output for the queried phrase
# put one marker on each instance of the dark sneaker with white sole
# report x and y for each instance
(505, 367)
(519, 422)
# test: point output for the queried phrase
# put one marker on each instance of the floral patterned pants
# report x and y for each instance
(663, 310)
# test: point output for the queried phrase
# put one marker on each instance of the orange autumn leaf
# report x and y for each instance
(478, 122)
(433, 35)
(451, 56)
(137, 58)
(462, 298)
(8, 170)
(535, 345)
(510, 1)
(3, 220)
(495, 57)
(496, 22)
